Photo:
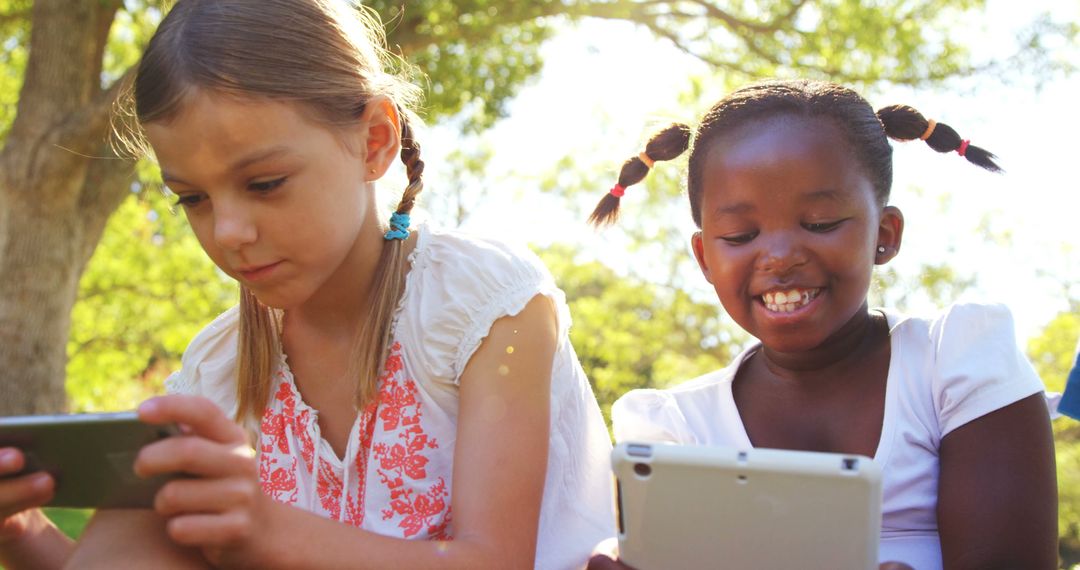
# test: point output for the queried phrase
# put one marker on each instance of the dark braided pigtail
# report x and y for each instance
(664, 145)
(388, 284)
(904, 123)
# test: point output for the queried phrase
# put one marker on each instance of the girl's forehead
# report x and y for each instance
(768, 136)
(228, 119)
(783, 156)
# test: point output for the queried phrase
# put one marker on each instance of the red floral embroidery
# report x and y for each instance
(354, 509)
(279, 483)
(275, 428)
(402, 466)
(441, 531)
(400, 410)
(329, 489)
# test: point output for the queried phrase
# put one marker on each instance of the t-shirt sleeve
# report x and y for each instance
(979, 367)
(463, 286)
(208, 367)
(649, 415)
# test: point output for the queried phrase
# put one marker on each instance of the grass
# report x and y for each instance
(71, 521)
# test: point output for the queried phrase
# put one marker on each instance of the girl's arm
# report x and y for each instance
(131, 538)
(500, 465)
(997, 495)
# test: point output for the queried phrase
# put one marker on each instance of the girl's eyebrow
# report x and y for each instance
(733, 209)
(819, 195)
(257, 156)
(739, 208)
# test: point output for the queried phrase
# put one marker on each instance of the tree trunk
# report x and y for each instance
(58, 184)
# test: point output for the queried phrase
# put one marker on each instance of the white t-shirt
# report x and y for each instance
(395, 478)
(943, 373)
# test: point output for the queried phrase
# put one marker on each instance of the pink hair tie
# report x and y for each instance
(963, 147)
(618, 191)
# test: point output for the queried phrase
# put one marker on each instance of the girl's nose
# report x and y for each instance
(233, 226)
(779, 254)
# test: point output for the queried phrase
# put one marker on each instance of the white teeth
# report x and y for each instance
(786, 302)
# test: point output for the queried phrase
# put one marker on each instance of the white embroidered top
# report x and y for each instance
(943, 373)
(395, 477)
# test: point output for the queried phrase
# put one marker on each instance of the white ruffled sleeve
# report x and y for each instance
(208, 367)
(458, 287)
(650, 415)
(979, 367)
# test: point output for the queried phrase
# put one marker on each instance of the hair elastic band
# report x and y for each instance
(930, 124)
(399, 227)
(962, 150)
(618, 191)
(648, 161)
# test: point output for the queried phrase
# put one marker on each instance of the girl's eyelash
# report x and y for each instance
(187, 200)
(739, 239)
(822, 227)
(267, 185)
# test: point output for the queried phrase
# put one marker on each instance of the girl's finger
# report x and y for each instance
(199, 414)
(206, 496)
(28, 491)
(196, 455)
(11, 461)
(211, 530)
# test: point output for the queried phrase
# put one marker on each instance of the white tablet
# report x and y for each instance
(682, 506)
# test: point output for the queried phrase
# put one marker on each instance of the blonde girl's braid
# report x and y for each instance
(904, 123)
(664, 145)
(414, 167)
(372, 345)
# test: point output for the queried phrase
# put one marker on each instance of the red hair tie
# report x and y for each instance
(963, 147)
(618, 191)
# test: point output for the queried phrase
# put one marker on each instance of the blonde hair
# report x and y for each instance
(330, 58)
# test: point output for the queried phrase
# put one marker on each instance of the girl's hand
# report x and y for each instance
(222, 510)
(605, 562)
(28, 539)
(20, 496)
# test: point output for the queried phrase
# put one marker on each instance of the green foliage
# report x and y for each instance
(146, 292)
(131, 30)
(15, 31)
(476, 54)
(70, 521)
(1053, 354)
(939, 284)
(630, 333)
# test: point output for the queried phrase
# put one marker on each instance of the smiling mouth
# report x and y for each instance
(790, 300)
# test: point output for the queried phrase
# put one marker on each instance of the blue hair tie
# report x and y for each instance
(399, 227)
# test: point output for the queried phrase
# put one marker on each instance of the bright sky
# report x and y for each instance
(585, 103)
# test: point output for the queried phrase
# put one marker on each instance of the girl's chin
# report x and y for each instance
(788, 345)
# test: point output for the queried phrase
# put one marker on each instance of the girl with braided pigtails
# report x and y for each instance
(385, 395)
(789, 186)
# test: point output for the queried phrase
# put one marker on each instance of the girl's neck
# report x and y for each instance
(341, 304)
(853, 341)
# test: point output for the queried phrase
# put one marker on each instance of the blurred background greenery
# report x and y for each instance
(93, 253)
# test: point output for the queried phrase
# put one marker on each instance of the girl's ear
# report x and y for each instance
(890, 234)
(382, 136)
(699, 255)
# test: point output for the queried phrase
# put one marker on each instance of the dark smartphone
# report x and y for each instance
(90, 456)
